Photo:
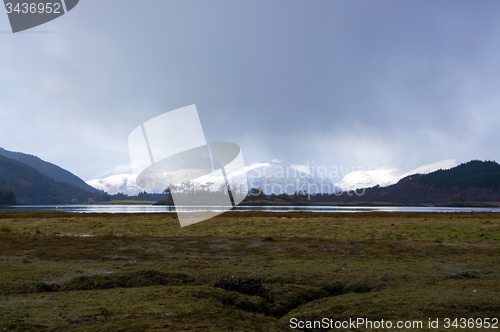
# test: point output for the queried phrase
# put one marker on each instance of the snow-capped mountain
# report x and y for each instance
(272, 177)
(278, 176)
(275, 176)
(367, 179)
(386, 177)
(120, 179)
(429, 168)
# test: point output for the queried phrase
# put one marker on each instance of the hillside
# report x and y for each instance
(474, 181)
(473, 174)
(55, 172)
(32, 187)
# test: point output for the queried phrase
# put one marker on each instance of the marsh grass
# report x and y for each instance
(61, 271)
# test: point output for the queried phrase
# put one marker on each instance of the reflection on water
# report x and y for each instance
(172, 209)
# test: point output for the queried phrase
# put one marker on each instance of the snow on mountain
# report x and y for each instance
(120, 183)
(429, 168)
(367, 179)
(273, 177)
(278, 176)
(385, 177)
(118, 170)
(119, 179)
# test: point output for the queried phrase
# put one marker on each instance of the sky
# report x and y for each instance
(360, 84)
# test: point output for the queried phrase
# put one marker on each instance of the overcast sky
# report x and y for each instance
(394, 84)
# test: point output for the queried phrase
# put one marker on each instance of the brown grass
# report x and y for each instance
(5, 229)
(143, 271)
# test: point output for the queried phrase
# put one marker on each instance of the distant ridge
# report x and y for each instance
(55, 172)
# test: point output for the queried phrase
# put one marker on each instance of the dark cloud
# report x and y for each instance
(386, 83)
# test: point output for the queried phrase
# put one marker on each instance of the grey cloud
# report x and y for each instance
(379, 83)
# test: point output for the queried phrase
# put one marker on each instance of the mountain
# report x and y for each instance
(385, 177)
(369, 178)
(474, 181)
(276, 177)
(477, 181)
(273, 177)
(120, 183)
(429, 168)
(120, 179)
(473, 174)
(55, 172)
(32, 187)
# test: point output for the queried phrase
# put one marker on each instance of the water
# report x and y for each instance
(171, 209)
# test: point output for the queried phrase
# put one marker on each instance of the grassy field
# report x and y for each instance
(245, 271)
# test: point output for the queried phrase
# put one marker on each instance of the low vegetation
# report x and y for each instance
(244, 271)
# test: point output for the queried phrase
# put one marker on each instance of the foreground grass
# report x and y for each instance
(244, 271)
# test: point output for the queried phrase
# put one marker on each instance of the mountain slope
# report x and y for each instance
(385, 177)
(475, 173)
(55, 172)
(32, 187)
(473, 181)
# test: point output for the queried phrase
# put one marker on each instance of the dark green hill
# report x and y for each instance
(473, 174)
(55, 172)
(32, 187)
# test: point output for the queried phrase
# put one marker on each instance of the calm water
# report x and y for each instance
(171, 209)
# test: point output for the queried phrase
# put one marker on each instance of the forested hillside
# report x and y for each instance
(475, 173)
(55, 172)
(32, 187)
